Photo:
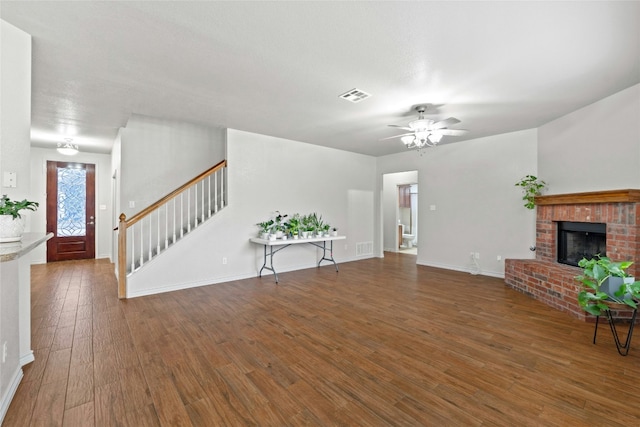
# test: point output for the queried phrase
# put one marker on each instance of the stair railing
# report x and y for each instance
(154, 229)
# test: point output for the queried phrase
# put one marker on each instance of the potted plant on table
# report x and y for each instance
(11, 222)
(292, 226)
(265, 228)
(605, 281)
(279, 225)
(307, 225)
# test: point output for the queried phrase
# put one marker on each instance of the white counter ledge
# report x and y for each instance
(14, 250)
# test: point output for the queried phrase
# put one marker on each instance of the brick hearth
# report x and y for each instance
(544, 278)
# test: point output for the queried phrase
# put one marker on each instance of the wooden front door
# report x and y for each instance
(70, 211)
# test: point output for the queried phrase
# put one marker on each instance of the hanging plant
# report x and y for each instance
(531, 187)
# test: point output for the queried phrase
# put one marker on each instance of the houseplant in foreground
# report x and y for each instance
(11, 222)
(605, 281)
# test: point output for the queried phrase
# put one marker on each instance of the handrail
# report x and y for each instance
(174, 216)
(152, 207)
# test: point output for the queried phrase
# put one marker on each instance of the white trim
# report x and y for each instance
(27, 358)
(195, 284)
(496, 274)
(10, 393)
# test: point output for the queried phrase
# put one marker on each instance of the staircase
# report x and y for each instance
(156, 228)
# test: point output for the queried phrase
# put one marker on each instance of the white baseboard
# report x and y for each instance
(27, 358)
(218, 280)
(8, 395)
(496, 274)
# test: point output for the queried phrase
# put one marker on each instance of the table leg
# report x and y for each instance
(264, 264)
(324, 254)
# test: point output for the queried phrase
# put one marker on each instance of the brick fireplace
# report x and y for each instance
(543, 278)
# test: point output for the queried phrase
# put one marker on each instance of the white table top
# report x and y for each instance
(290, 241)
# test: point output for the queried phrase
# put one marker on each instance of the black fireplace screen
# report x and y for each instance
(577, 240)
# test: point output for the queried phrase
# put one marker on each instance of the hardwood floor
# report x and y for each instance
(383, 342)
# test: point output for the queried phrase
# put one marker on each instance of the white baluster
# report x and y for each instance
(209, 195)
(215, 190)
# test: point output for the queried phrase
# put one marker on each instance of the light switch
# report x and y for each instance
(132, 204)
(432, 207)
(9, 179)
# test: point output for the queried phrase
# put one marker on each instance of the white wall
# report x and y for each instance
(478, 207)
(157, 156)
(15, 105)
(266, 174)
(15, 119)
(390, 183)
(104, 217)
(594, 148)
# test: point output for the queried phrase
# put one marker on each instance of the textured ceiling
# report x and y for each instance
(278, 68)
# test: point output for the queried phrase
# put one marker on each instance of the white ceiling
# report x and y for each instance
(278, 68)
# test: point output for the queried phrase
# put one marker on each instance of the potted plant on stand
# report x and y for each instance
(604, 282)
(11, 222)
(605, 286)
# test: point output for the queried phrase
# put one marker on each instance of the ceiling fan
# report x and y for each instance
(425, 132)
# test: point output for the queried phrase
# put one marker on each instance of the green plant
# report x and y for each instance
(265, 226)
(308, 222)
(531, 187)
(278, 224)
(13, 208)
(316, 222)
(293, 225)
(595, 272)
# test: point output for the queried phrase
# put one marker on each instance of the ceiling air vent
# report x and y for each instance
(355, 95)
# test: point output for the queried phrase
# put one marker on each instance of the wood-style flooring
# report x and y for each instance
(384, 342)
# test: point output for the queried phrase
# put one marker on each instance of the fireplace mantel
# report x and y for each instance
(608, 196)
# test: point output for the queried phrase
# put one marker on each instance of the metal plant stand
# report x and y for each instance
(623, 349)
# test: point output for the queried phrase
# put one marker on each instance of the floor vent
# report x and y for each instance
(355, 95)
(364, 248)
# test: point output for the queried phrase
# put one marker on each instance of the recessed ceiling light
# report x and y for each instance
(355, 95)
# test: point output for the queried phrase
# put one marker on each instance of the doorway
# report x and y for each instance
(70, 211)
(396, 219)
(408, 219)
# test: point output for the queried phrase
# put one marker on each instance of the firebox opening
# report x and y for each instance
(577, 240)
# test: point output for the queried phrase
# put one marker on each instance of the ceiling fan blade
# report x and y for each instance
(450, 132)
(401, 127)
(396, 136)
(445, 123)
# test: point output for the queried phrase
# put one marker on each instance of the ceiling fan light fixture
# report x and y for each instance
(407, 139)
(422, 135)
(435, 138)
(67, 148)
(420, 124)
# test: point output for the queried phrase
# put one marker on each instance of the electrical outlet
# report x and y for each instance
(499, 258)
(477, 255)
(224, 260)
